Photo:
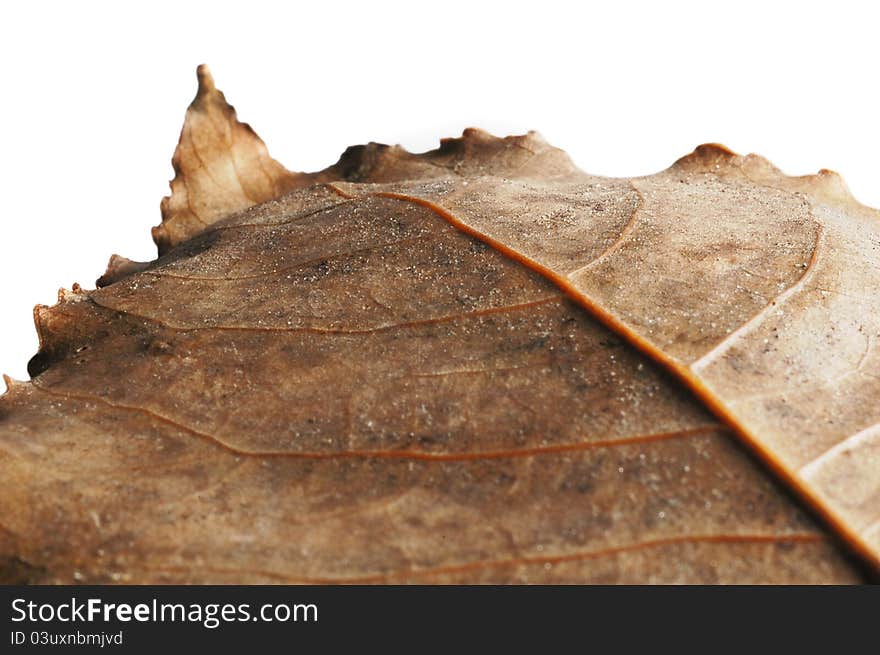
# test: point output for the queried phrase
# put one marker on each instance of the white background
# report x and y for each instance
(92, 98)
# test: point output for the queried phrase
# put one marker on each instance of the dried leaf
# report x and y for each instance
(449, 367)
(754, 289)
(220, 166)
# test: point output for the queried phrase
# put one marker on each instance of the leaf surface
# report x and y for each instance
(756, 290)
(420, 368)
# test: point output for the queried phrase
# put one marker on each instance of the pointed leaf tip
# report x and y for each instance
(221, 167)
(206, 80)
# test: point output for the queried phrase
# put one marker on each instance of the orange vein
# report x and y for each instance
(326, 330)
(725, 344)
(621, 238)
(387, 454)
(681, 372)
(384, 578)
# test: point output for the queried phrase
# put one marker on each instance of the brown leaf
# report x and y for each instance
(425, 371)
(754, 289)
(220, 166)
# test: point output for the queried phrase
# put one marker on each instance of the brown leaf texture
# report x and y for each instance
(472, 365)
(220, 166)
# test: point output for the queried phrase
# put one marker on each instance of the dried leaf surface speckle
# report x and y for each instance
(476, 364)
